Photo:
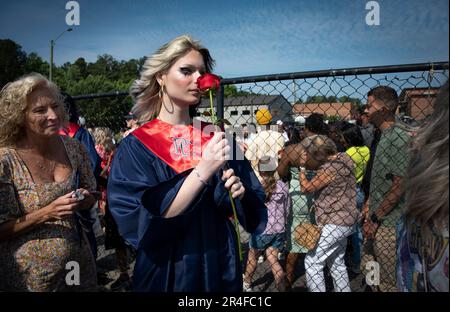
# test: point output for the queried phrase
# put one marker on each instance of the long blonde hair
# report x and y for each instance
(145, 90)
(267, 170)
(14, 103)
(104, 136)
(426, 184)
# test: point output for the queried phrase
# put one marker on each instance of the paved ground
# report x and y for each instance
(262, 281)
(107, 266)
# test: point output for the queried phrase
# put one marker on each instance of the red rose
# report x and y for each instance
(208, 82)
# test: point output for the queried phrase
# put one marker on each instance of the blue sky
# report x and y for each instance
(251, 37)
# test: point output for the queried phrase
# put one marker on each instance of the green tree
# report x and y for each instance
(74, 73)
(105, 65)
(331, 99)
(34, 63)
(333, 118)
(12, 61)
(81, 64)
(321, 99)
(232, 90)
(344, 98)
(316, 99)
(101, 112)
(356, 103)
(129, 70)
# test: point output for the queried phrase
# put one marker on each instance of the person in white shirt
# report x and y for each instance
(282, 130)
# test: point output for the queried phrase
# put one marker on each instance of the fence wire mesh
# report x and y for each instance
(322, 165)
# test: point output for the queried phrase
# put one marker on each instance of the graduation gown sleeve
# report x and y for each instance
(251, 210)
(136, 170)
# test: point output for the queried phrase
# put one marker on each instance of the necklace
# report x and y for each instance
(43, 164)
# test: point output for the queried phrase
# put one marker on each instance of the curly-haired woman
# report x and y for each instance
(39, 172)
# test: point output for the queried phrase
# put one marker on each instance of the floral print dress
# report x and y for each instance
(47, 257)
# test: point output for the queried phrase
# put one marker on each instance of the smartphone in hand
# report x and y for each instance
(79, 196)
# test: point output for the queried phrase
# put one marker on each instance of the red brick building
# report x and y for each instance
(417, 102)
(343, 110)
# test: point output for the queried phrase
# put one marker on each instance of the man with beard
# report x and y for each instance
(386, 201)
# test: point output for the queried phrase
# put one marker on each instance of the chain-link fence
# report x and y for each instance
(325, 168)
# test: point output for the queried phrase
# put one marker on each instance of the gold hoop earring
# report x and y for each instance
(161, 92)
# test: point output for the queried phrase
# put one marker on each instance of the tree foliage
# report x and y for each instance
(332, 118)
(321, 99)
(105, 75)
(12, 61)
(355, 101)
(232, 90)
(330, 99)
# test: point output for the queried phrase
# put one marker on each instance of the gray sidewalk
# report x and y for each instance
(263, 280)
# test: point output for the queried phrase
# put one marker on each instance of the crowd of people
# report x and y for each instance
(350, 179)
(339, 197)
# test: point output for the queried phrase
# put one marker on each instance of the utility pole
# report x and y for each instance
(52, 45)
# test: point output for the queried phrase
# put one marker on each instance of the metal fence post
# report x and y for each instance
(220, 100)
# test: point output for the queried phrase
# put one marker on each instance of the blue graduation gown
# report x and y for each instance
(85, 217)
(194, 251)
(85, 137)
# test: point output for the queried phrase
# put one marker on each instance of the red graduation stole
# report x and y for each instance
(180, 147)
(70, 130)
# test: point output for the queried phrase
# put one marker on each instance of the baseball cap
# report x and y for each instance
(267, 164)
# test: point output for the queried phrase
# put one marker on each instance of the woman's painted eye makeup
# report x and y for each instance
(186, 70)
(190, 70)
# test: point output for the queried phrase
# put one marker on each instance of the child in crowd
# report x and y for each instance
(272, 240)
(104, 145)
